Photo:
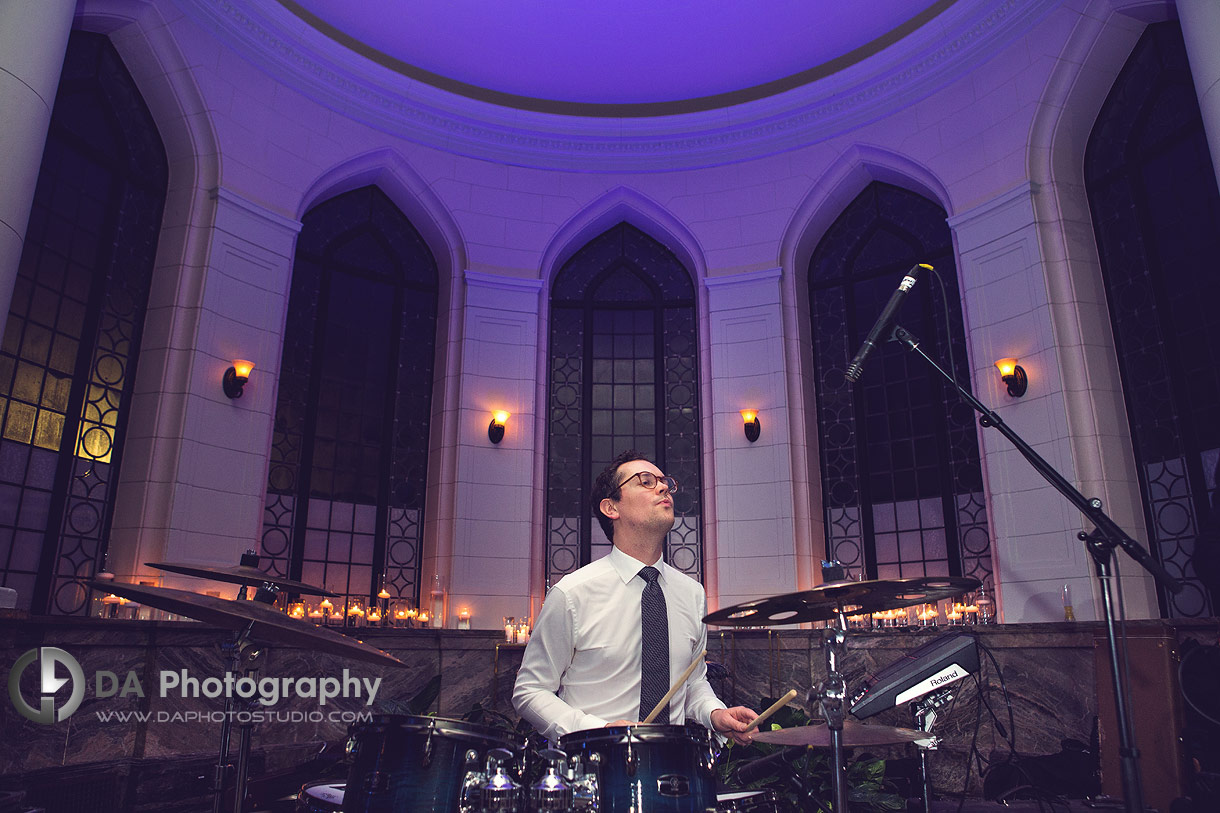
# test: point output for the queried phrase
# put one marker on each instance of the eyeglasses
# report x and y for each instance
(649, 481)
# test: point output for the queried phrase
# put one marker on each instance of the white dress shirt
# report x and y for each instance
(581, 667)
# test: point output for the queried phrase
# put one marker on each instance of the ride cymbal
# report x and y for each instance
(828, 600)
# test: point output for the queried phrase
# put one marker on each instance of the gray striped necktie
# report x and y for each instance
(654, 646)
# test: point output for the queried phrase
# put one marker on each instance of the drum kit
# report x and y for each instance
(401, 763)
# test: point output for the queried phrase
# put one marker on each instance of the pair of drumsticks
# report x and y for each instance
(776, 706)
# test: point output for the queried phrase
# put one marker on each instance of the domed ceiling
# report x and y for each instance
(616, 57)
(620, 85)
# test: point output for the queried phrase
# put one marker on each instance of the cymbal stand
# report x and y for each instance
(925, 717)
(243, 656)
(832, 693)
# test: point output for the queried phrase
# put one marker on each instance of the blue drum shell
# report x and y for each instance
(403, 762)
(674, 770)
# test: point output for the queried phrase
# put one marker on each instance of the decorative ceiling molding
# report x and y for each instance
(292, 52)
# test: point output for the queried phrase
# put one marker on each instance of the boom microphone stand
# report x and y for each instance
(1100, 543)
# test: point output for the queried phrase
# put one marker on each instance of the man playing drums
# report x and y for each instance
(614, 636)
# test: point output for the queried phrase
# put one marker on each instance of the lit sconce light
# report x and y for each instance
(236, 377)
(495, 429)
(752, 425)
(1014, 376)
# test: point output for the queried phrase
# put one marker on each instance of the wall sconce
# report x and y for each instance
(1014, 376)
(236, 377)
(753, 426)
(495, 429)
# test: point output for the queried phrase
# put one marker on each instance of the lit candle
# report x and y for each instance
(423, 617)
(374, 617)
(510, 629)
(463, 619)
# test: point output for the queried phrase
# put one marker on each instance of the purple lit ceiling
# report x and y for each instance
(675, 54)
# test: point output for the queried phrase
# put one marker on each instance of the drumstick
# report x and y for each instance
(776, 706)
(661, 703)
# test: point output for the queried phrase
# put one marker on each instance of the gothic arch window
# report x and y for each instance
(901, 477)
(1156, 211)
(624, 374)
(349, 456)
(68, 359)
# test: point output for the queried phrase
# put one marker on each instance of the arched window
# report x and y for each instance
(1156, 212)
(67, 363)
(349, 456)
(624, 374)
(901, 479)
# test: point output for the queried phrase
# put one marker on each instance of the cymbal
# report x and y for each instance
(269, 625)
(825, 601)
(854, 734)
(239, 574)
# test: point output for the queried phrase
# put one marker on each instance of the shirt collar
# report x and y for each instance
(628, 567)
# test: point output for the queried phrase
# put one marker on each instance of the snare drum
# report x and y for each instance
(402, 762)
(648, 768)
(320, 797)
(749, 801)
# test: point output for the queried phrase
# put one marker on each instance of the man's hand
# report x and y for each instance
(731, 722)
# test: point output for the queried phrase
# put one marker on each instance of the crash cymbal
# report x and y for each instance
(269, 625)
(239, 574)
(855, 734)
(825, 601)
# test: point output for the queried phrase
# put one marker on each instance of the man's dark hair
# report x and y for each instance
(607, 485)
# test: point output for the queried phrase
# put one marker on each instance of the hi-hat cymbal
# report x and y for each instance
(269, 625)
(239, 574)
(826, 601)
(854, 734)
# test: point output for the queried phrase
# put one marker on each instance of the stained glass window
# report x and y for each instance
(68, 358)
(349, 457)
(624, 375)
(901, 477)
(1156, 217)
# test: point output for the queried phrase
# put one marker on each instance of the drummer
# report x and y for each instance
(597, 654)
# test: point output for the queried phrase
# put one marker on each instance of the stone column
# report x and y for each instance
(1201, 29)
(33, 38)
(757, 552)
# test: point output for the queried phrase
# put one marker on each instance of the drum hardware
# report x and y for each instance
(582, 777)
(249, 620)
(551, 792)
(834, 602)
(500, 792)
(925, 717)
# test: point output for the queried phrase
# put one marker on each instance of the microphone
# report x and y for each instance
(883, 321)
(756, 769)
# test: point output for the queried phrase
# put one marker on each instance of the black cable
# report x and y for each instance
(944, 300)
